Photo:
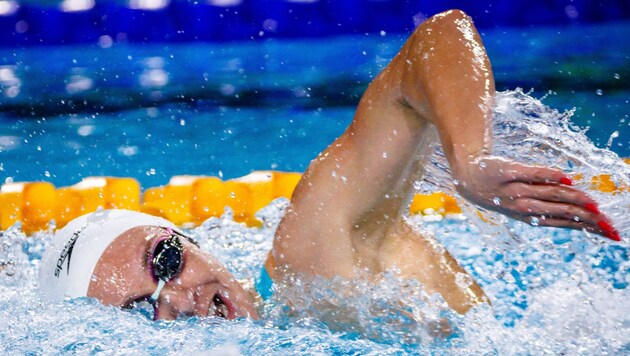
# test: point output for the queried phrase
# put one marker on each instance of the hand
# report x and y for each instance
(530, 193)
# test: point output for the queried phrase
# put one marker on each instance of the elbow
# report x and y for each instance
(444, 21)
(439, 31)
(449, 16)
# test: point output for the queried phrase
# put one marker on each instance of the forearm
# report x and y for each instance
(448, 79)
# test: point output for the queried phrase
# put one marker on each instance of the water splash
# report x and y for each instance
(552, 291)
(526, 130)
(14, 262)
(551, 281)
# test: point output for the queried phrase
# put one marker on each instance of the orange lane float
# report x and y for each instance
(94, 192)
(190, 200)
(435, 203)
(245, 195)
(171, 201)
(32, 203)
(186, 200)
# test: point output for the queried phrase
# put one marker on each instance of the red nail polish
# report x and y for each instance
(614, 236)
(592, 207)
(566, 181)
(605, 226)
(610, 232)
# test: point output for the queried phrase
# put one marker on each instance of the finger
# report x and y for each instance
(576, 225)
(535, 174)
(553, 193)
(535, 207)
(563, 223)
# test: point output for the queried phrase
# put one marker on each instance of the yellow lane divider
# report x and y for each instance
(185, 200)
(190, 200)
(32, 203)
(435, 203)
(171, 201)
(93, 192)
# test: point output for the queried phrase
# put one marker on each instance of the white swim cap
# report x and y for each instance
(70, 258)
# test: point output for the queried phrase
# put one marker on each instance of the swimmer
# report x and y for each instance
(348, 209)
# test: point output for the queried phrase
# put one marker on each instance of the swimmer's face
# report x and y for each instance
(202, 288)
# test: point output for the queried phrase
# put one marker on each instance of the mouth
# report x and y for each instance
(222, 307)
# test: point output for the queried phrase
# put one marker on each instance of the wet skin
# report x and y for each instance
(348, 209)
(203, 287)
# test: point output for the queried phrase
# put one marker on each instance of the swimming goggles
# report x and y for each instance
(166, 261)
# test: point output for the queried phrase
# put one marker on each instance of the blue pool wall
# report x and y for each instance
(50, 22)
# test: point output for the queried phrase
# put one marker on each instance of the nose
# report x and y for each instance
(173, 303)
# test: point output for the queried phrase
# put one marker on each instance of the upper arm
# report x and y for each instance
(356, 185)
(355, 190)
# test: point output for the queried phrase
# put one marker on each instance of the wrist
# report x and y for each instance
(462, 163)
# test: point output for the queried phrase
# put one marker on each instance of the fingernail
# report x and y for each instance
(566, 181)
(614, 236)
(605, 226)
(592, 207)
(610, 232)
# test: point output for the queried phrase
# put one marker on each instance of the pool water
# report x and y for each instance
(137, 110)
(132, 110)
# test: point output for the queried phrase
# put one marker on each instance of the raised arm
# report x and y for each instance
(347, 212)
(449, 81)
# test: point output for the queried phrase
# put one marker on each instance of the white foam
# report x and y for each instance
(552, 291)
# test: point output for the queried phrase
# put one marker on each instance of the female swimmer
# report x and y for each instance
(348, 209)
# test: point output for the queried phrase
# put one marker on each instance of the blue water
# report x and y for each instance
(275, 105)
(131, 110)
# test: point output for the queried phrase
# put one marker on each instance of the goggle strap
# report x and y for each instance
(154, 297)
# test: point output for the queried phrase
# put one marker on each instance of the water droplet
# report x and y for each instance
(86, 130)
(385, 155)
(534, 221)
(455, 182)
(496, 201)
(463, 280)
(482, 165)
(599, 92)
(128, 150)
(616, 76)
(10, 269)
(613, 136)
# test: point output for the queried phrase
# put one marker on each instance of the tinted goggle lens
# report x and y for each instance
(167, 258)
